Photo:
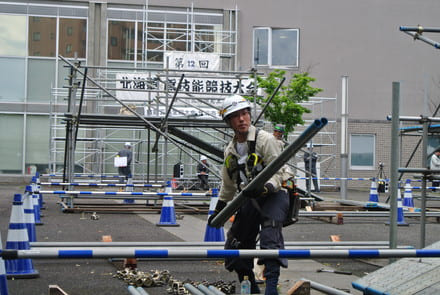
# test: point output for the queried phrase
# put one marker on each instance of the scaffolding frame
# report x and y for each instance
(105, 127)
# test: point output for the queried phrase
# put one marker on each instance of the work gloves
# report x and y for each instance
(263, 191)
(219, 207)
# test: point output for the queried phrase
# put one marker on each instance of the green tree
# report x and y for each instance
(284, 107)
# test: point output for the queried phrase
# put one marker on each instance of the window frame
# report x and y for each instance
(363, 167)
(269, 48)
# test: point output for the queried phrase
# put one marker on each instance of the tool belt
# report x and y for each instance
(294, 202)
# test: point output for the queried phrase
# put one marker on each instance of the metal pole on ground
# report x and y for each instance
(325, 289)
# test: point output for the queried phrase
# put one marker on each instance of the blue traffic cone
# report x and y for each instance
(3, 279)
(40, 196)
(213, 234)
(400, 216)
(36, 203)
(168, 214)
(129, 188)
(407, 195)
(18, 239)
(373, 192)
(36, 188)
(29, 216)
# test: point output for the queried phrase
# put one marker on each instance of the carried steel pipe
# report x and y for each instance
(111, 252)
(268, 171)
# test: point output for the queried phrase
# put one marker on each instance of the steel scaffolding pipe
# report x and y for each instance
(419, 29)
(101, 193)
(419, 170)
(416, 118)
(84, 175)
(142, 198)
(215, 290)
(268, 171)
(193, 290)
(335, 247)
(325, 289)
(205, 289)
(111, 252)
(100, 184)
(199, 244)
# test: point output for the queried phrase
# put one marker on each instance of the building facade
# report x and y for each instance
(328, 39)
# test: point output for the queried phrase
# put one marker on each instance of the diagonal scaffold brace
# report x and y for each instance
(268, 171)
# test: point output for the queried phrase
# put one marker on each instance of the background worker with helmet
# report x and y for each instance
(278, 133)
(265, 210)
(202, 172)
(126, 171)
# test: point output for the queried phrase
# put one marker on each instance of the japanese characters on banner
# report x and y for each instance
(189, 112)
(143, 81)
(192, 61)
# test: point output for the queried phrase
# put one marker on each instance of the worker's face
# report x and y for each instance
(240, 121)
(278, 135)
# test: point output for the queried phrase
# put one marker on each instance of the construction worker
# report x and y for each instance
(265, 210)
(435, 165)
(202, 172)
(278, 133)
(310, 157)
(126, 171)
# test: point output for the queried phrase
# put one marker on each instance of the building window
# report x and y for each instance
(73, 40)
(41, 30)
(362, 147)
(114, 41)
(276, 47)
(125, 32)
(36, 36)
(13, 38)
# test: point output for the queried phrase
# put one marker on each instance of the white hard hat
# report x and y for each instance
(127, 144)
(232, 104)
(203, 157)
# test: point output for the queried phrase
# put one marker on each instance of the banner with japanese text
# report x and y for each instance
(192, 61)
(142, 82)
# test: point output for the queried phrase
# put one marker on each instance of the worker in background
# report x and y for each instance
(126, 171)
(202, 172)
(310, 158)
(278, 133)
(435, 165)
(264, 210)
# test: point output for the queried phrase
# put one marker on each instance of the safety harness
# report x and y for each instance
(243, 173)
